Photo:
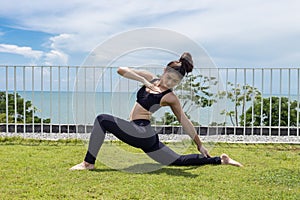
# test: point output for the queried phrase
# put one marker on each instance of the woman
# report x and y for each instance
(138, 132)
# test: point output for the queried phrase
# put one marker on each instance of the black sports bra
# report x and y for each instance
(150, 101)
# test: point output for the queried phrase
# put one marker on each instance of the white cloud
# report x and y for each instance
(55, 57)
(24, 51)
(188, 16)
(222, 26)
(58, 42)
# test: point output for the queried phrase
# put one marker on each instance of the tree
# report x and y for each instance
(194, 91)
(239, 96)
(282, 110)
(30, 110)
(170, 119)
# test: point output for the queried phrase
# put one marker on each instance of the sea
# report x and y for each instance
(82, 107)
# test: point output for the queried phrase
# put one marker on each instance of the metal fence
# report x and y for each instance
(220, 101)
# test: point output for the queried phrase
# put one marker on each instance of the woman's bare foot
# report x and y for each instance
(226, 160)
(83, 166)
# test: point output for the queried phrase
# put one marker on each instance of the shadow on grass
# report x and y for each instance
(104, 170)
(176, 171)
(153, 168)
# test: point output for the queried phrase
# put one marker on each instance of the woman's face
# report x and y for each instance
(170, 79)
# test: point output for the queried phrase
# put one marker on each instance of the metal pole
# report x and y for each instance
(289, 102)
(271, 94)
(24, 101)
(6, 98)
(298, 99)
(252, 102)
(32, 95)
(59, 106)
(68, 100)
(279, 117)
(262, 101)
(15, 99)
(42, 100)
(51, 100)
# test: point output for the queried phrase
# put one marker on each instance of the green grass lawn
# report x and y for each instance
(32, 169)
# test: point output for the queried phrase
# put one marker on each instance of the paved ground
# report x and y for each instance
(166, 137)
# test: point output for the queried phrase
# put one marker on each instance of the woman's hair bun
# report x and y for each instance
(187, 61)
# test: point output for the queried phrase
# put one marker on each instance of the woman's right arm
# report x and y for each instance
(138, 75)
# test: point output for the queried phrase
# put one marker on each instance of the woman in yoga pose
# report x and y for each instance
(155, 93)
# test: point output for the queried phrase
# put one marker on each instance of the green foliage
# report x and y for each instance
(18, 113)
(193, 92)
(239, 95)
(282, 110)
(170, 119)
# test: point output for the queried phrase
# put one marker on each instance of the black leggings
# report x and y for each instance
(139, 134)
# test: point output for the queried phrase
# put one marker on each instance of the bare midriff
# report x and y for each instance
(138, 112)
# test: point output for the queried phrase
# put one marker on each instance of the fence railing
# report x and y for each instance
(66, 99)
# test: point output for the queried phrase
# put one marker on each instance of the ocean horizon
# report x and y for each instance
(64, 107)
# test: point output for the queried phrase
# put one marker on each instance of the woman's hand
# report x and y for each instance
(152, 87)
(203, 151)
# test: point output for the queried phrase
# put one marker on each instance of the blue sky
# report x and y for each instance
(234, 33)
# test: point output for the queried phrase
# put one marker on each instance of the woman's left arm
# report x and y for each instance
(186, 123)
